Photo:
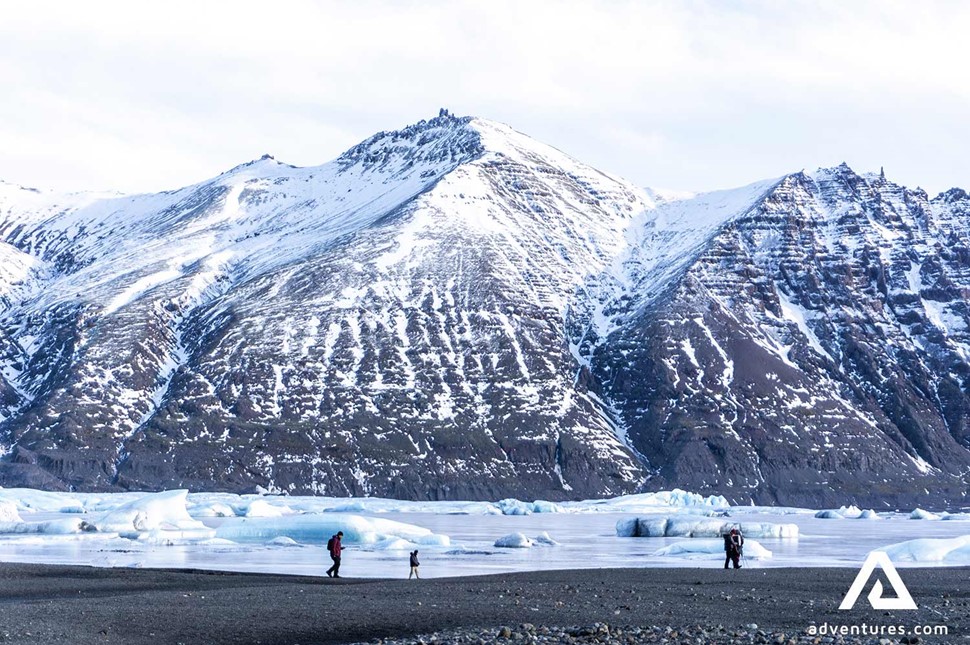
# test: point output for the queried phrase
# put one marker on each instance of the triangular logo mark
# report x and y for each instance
(881, 559)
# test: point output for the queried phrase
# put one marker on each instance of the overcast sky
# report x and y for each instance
(682, 95)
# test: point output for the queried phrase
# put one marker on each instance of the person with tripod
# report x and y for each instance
(733, 548)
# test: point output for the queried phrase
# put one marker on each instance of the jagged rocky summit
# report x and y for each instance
(454, 310)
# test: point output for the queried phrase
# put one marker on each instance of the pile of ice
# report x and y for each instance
(521, 541)
(847, 513)
(710, 550)
(700, 527)
(942, 550)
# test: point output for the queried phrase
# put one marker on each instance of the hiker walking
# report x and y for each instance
(733, 548)
(334, 547)
(414, 565)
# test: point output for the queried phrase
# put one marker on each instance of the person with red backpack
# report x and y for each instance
(335, 548)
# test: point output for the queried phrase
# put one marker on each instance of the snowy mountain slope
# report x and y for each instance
(326, 329)
(805, 342)
(453, 310)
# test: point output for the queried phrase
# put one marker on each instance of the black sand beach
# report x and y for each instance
(67, 604)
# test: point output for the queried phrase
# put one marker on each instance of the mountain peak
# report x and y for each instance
(445, 138)
(267, 160)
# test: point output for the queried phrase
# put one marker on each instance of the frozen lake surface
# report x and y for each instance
(288, 534)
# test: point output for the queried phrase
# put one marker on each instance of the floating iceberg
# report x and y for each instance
(700, 527)
(349, 507)
(847, 513)
(514, 541)
(516, 507)
(164, 511)
(957, 517)
(316, 528)
(545, 539)
(710, 550)
(30, 500)
(521, 541)
(829, 514)
(920, 514)
(260, 508)
(62, 526)
(212, 509)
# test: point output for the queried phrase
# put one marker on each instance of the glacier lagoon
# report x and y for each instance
(278, 534)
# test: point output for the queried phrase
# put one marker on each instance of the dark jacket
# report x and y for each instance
(414, 560)
(732, 542)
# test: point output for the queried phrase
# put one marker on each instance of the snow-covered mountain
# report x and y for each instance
(800, 341)
(454, 310)
(390, 323)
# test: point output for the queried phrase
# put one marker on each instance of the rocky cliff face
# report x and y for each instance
(454, 310)
(806, 344)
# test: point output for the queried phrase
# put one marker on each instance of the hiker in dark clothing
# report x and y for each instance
(334, 547)
(414, 565)
(733, 548)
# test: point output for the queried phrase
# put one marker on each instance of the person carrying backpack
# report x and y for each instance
(733, 548)
(414, 565)
(335, 548)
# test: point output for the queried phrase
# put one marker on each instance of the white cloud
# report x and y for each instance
(683, 94)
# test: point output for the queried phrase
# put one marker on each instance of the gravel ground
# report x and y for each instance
(56, 604)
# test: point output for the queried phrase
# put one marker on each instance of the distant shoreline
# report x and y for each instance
(57, 604)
